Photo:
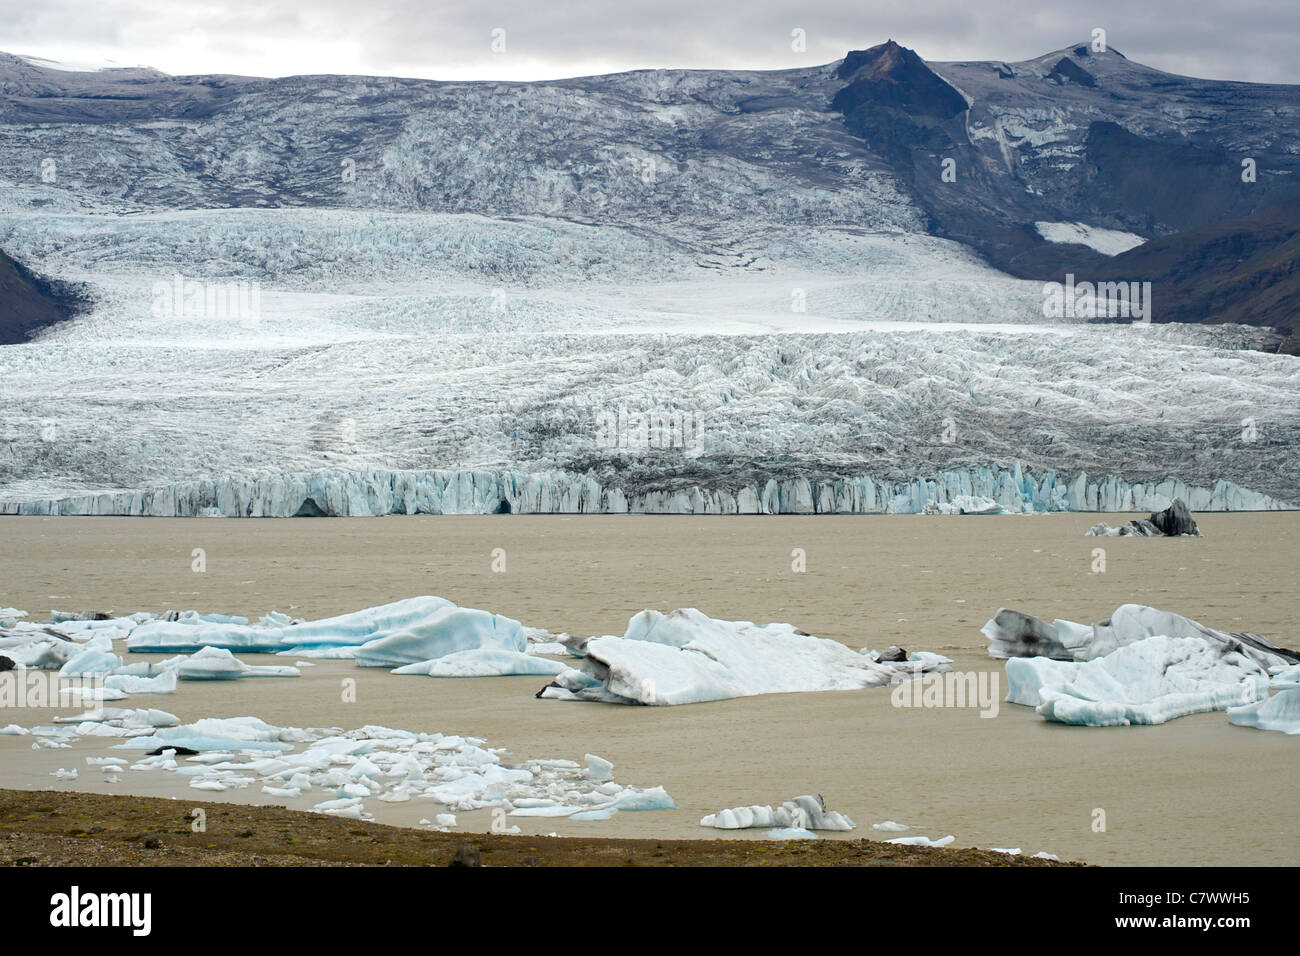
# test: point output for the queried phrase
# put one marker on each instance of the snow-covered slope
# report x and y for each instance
(364, 278)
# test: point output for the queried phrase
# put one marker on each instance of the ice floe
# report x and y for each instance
(1015, 634)
(804, 813)
(922, 840)
(344, 769)
(216, 663)
(687, 657)
(484, 663)
(1280, 712)
(1147, 682)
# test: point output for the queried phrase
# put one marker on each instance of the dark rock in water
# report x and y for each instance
(179, 751)
(5, 663)
(466, 855)
(893, 653)
(1175, 520)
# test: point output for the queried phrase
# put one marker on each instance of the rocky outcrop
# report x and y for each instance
(1173, 522)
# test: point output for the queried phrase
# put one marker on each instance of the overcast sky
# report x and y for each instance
(1245, 40)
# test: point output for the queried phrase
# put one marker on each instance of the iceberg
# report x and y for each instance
(687, 657)
(216, 663)
(353, 629)
(484, 663)
(922, 840)
(162, 636)
(164, 683)
(1015, 634)
(444, 631)
(1281, 712)
(1150, 681)
(807, 812)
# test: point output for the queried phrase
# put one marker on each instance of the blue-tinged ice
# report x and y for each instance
(1147, 682)
(484, 663)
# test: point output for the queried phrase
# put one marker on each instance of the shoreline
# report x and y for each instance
(56, 828)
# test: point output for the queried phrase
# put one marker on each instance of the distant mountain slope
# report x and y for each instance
(29, 303)
(1246, 270)
(729, 168)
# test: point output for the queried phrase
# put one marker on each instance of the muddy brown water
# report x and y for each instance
(1195, 791)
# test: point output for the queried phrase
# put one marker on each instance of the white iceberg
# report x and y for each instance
(807, 812)
(444, 632)
(687, 657)
(486, 663)
(1281, 712)
(216, 663)
(922, 840)
(1015, 634)
(1147, 682)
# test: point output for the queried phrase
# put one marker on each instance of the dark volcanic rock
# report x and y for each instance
(29, 302)
(1175, 520)
(1244, 270)
(1067, 71)
(896, 103)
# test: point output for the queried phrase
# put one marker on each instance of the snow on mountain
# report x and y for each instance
(1109, 242)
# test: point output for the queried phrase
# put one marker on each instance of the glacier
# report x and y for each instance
(440, 333)
(347, 494)
(686, 657)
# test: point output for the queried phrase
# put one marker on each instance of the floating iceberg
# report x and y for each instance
(807, 812)
(444, 631)
(1173, 522)
(1281, 712)
(1016, 634)
(161, 636)
(1147, 682)
(484, 663)
(216, 663)
(395, 766)
(687, 657)
(922, 840)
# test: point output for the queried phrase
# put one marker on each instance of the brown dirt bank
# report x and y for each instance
(47, 828)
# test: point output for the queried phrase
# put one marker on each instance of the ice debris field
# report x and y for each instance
(662, 659)
(1139, 666)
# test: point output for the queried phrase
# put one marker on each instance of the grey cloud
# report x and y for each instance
(1251, 40)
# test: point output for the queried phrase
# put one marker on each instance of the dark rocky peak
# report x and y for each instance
(894, 77)
(1067, 71)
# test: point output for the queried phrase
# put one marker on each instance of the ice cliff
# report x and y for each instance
(341, 494)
